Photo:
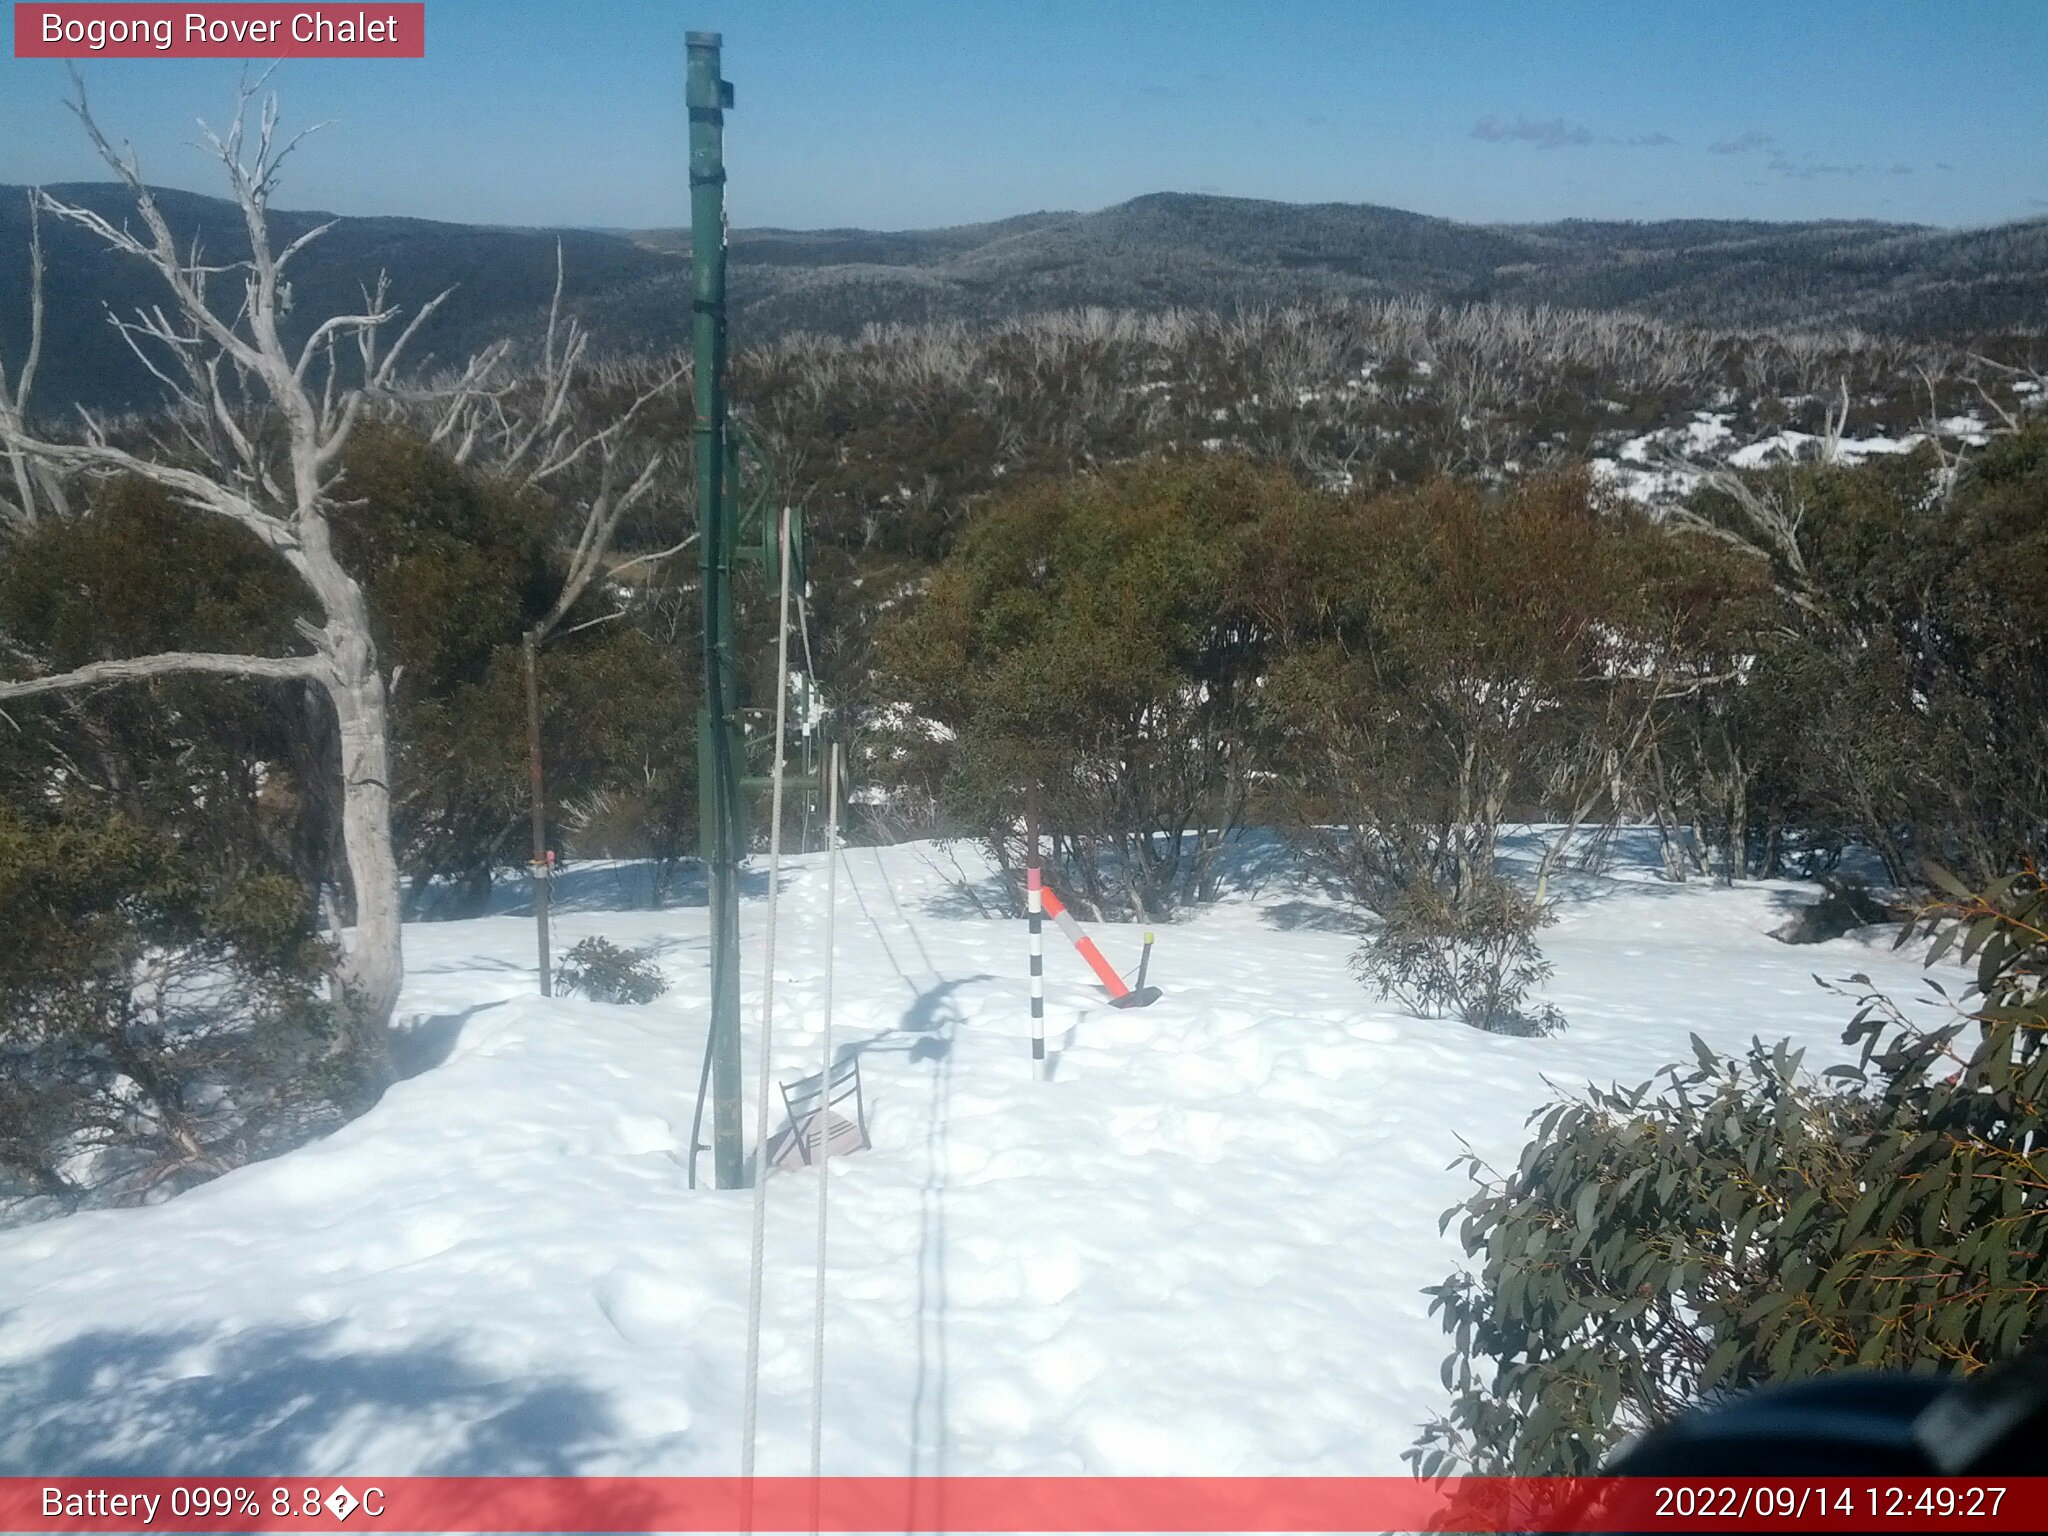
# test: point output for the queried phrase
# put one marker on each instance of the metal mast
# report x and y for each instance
(718, 747)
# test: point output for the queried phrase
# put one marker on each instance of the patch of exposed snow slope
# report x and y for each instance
(1199, 1248)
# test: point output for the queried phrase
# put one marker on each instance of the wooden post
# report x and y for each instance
(543, 871)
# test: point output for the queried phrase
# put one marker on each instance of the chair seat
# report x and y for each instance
(839, 1135)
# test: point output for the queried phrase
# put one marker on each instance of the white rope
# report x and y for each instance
(803, 624)
(825, 1136)
(803, 620)
(754, 1267)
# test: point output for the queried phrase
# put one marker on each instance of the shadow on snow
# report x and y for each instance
(279, 1400)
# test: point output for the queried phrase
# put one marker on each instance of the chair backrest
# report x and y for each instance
(812, 1096)
(816, 1091)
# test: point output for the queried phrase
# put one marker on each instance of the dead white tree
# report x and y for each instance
(30, 485)
(256, 436)
(1949, 462)
(2031, 380)
(1835, 423)
(529, 431)
(1770, 513)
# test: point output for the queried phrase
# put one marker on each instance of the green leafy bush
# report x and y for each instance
(1476, 962)
(1744, 1223)
(1084, 637)
(160, 1021)
(605, 973)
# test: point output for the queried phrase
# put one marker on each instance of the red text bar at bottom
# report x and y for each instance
(1020, 1504)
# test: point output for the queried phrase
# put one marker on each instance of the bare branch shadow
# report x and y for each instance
(430, 1040)
(280, 1399)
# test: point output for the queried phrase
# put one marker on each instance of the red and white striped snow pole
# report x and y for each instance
(1039, 900)
(1034, 891)
(1081, 941)
(1120, 994)
(1034, 897)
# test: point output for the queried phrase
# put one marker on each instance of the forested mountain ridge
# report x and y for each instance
(1163, 251)
(502, 279)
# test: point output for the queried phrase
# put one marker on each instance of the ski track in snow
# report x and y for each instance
(1199, 1248)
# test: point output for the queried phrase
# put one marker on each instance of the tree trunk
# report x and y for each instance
(537, 786)
(374, 967)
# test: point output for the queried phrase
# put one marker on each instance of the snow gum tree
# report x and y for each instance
(1084, 637)
(1446, 656)
(1441, 644)
(255, 438)
(1899, 685)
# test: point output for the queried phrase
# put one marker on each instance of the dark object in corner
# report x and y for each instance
(1861, 1423)
(1845, 906)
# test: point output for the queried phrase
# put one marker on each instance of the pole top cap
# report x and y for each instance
(704, 39)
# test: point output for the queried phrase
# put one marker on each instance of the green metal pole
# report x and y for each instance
(717, 757)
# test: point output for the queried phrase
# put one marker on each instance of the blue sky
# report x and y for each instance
(911, 113)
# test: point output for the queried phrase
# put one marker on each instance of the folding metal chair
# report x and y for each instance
(813, 1125)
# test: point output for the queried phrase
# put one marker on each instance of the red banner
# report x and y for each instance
(1005, 1504)
(104, 31)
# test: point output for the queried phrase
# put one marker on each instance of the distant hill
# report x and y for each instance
(503, 279)
(1154, 252)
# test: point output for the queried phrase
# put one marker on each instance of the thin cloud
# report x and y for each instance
(1550, 133)
(1799, 167)
(1809, 170)
(1556, 133)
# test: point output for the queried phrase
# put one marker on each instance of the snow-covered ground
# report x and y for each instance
(1199, 1248)
(1657, 468)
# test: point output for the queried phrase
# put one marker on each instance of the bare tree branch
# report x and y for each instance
(1771, 518)
(655, 557)
(31, 485)
(130, 669)
(195, 490)
(528, 435)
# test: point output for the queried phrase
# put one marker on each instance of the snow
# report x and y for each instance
(1789, 445)
(903, 720)
(1650, 467)
(1705, 430)
(1650, 487)
(1199, 1247)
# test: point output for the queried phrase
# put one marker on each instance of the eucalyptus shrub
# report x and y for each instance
(605, 973)
(1734, 1223)
(160, 1017)
(1476, 961)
